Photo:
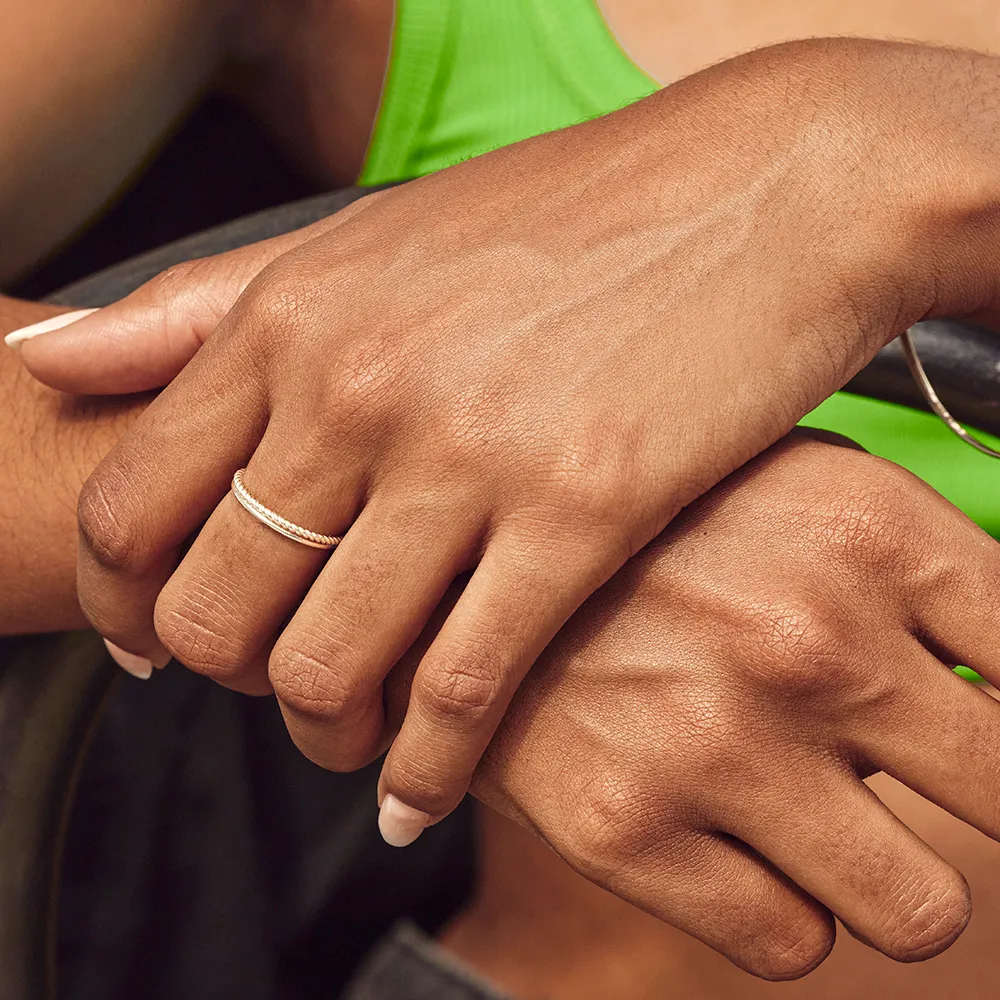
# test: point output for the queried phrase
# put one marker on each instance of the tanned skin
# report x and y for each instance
(49, 444)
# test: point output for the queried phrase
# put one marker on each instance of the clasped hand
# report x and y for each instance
(521, 368)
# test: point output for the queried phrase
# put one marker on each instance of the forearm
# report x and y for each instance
(49, 443)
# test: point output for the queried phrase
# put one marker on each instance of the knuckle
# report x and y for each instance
(601, 835)
(462, 690)
(965, 575)
(365, 382)
(193, 631)
(939, 913)
(273, 308)
(178, 294)
(354, 397)
(314, 685)
(592, 511)
(161, 290)
(870, 525)
(794, 952)
(277, 296)
(587, 479)
(105, 527)
(800, 648)
(176, 274)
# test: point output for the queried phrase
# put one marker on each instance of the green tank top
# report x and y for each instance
(468, 76)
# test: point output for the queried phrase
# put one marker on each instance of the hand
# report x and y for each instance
(695, 737)
(526, 366)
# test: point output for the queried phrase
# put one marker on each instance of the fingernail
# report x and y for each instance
(15, 338)
(137, 666)
(400, 824)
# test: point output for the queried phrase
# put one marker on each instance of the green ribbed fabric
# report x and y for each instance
(467, 76)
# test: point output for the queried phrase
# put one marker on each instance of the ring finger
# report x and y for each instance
(241, 579)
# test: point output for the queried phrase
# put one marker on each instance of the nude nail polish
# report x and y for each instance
(15, 338)
(400, 824)
(137, 666)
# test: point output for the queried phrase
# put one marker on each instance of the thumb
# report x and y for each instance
(142, 341)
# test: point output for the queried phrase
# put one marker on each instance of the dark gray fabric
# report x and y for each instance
(409, 966)
(208, 859)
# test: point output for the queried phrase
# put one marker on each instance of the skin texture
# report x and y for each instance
(540, 453)
(695, 739)
(727, 688)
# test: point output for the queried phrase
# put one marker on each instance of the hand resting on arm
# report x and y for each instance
(694, 737)
(522, 366)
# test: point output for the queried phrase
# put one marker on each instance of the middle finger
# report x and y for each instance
(241, 579)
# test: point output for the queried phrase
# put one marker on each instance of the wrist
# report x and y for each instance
(881, 164)
(852, 175)
(913, 168)
(49, 443)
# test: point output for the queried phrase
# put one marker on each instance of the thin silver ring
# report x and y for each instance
(920, 377)
(312, 539)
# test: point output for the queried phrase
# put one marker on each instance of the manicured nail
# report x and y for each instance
(16, 338)
(137, 666)
(400, 824)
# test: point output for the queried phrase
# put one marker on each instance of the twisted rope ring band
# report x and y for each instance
(313, 539)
